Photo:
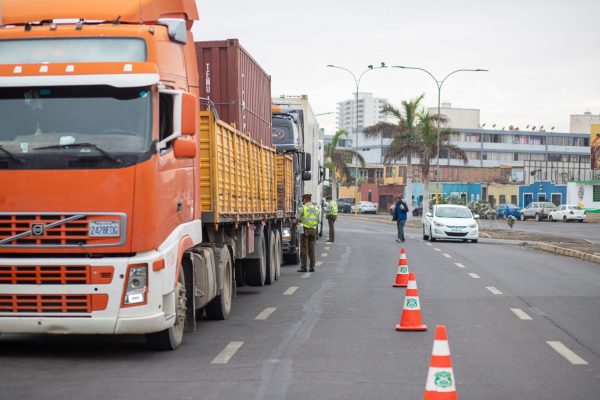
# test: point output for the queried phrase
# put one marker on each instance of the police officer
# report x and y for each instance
(308, 215)
(332, 211)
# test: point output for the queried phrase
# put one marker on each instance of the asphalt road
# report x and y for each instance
(330, 334)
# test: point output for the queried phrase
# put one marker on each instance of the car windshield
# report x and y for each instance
(574, 207)
(452, 212)
(119, 120)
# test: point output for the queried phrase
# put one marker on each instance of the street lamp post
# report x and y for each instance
(357, 84)
(439, 86)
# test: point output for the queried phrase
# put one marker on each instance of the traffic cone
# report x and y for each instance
(402, 272)
(411, 313)
(441, 383)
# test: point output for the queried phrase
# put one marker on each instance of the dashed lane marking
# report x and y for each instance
(447, 255)
(459, 265)
(521, 314)
(324, 254)
(318, 263)
(307, 274)
(436, 249)
(428, 244)
(327, 248)
(493, 290)
(228, 352)
(265, 313)
(474, 275)
(290, 291)
(567, 353)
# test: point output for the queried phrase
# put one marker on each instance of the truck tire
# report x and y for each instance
(256, 269)
(171, 338)
(220, 307)
(292, 259)
(271, 262)
(278, 255)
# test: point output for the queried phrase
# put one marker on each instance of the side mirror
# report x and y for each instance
(307, 161)
(306, 176)
(476, 216)
(189, 114)
(183, 148)
(429, 214)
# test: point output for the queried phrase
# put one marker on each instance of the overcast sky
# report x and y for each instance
(543, 56)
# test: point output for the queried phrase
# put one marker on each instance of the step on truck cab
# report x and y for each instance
(123, 208)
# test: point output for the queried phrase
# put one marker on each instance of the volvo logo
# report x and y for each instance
(37, 229)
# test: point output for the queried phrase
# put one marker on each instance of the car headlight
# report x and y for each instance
(437, 223)
(137, 285)
(286, 234)
(473, 226)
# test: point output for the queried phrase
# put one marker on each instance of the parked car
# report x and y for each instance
(504, 210)
(566, 213)
(538, 210)
(366, 207)
(344, 207)
(450, 221)
(417, 211)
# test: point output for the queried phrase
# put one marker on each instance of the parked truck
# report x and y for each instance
(123, 208)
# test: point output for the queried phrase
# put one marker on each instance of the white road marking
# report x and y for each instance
(290, 291)
(324, 255)
(227, 353)
(447, 255)
(474, 275)
(327, 248)
(265, 313)
(318, 263)
(459, 265)
(567, 353)
(428, 244)
(306, 275)
(521, 314)
(436, 249)
(493, 290)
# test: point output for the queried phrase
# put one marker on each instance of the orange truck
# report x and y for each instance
(124, 209)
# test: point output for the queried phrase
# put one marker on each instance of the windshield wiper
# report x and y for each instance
(13, 157)
(100, 150)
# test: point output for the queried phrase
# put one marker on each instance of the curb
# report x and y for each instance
(567, 252)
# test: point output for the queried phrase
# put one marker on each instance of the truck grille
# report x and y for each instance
(54, 274)
(52, 230)
(50, 303)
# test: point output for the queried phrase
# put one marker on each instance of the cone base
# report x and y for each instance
(397, 285)
(440, 396)
(411, 328)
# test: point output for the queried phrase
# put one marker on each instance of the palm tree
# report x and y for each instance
(336, 160)
(415, 134)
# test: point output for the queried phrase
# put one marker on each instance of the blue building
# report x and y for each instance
(467, 191)
(542, 191)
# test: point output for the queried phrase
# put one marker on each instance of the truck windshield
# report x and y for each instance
(118, 120)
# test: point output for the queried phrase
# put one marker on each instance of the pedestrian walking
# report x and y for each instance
(400, 216)
(332, 211)
(308, 216)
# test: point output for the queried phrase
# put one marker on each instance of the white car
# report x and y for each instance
(449, 221)
(566, 213)
(366, 207)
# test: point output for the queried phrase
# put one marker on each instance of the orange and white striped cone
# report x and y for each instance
(402, 271)
(441, 384)
(411, 313)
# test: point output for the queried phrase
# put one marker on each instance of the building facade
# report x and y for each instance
(369, 112)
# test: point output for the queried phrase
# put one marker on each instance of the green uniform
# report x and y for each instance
(332, 211)
(309, 217)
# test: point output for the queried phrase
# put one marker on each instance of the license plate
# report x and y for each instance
(104, 229)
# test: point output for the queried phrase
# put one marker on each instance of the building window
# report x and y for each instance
(472, 137)
(513, 199)
(379, 173)
(596, 193)
(390, 172)
(363, 173)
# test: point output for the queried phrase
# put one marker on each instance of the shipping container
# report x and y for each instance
(237, 87)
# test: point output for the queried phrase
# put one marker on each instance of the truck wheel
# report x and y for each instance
(256, 270)
(278, 255)
(220, 307)
(271, 263)
(171, 338)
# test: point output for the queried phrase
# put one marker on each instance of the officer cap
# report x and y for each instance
(306, 195)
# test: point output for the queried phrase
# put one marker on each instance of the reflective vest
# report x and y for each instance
(332, 208)
(310, 216)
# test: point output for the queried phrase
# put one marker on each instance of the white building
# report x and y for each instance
(465, 118)
(369, 112)
(582, 123)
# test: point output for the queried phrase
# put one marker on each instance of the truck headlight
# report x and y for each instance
(137, 285)
(286, 234)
